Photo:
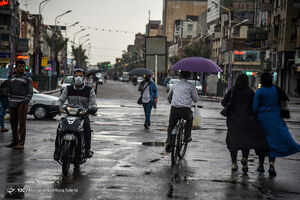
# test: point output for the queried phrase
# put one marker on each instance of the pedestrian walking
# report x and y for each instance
(149, 94)
(243, 131)
(19, 95)
(3, 103)
(266, 106)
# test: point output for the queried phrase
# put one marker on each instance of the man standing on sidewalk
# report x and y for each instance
(19, 95)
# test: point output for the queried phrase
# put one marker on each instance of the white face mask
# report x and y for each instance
(78, 80)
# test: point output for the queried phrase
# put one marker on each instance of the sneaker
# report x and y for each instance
(11, 145)
(245, 165)
(168, 148)
(19, 146)
(261, 169)
(146, 126)
(234, 167)
(272, 171)
(89, 154)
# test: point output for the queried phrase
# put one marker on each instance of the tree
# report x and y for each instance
(60, 43)
(79, 56)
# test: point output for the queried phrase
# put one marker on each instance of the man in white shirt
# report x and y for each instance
(181, 96)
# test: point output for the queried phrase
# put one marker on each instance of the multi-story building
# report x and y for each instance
(177, 10)
(282, 39)
(139, 41)
(28, 28)
(154, 28)
(9, 32)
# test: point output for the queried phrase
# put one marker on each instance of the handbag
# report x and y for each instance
(283, 103)
(140, 100)
(226, 111)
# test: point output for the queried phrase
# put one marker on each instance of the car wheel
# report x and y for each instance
(40, 112)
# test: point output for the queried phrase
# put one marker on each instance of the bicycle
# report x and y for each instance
(178, 143)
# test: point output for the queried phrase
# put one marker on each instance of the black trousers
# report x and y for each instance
(87, 134)
(245, 154)
(175, 115)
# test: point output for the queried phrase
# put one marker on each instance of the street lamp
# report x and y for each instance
(81, 38)
(54, 34)
(76, 34)
(85, 41)
(61, 16)
(37, 53)
(230, 40)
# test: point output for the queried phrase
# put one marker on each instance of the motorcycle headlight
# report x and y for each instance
(72, 111)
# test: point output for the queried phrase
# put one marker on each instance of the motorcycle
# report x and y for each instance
(71, 143)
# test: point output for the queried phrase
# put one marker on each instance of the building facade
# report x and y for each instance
(180, 10)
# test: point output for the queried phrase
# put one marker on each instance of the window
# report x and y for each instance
(189, 36)
(247, 56)
(190, 27)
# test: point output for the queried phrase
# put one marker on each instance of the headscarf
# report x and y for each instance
(266, 80)
(241, 82)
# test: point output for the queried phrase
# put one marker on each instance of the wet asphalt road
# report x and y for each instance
(129, 162)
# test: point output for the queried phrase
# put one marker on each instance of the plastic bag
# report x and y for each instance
(197, 119)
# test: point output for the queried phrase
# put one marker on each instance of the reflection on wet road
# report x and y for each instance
(129, 162)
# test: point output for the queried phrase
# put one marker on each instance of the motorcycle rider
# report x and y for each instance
(83, 96)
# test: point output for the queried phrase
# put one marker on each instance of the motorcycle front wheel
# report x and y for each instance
(65, 158)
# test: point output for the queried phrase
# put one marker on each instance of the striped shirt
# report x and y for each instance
(182, 94)
(20, 90)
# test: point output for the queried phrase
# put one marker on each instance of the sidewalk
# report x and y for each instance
(293, 100)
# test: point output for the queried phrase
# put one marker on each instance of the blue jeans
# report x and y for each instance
(147, 109)
(3, 109)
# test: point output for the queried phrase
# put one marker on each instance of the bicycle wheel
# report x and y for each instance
(181, 144)
(174, 150)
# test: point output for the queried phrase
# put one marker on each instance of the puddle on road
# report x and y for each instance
(153, 144)
(200, 160)
(114, 187)
(155, 160)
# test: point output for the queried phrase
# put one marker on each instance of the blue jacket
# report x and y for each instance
(152, 88)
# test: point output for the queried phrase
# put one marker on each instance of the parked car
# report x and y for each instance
(43, 106)
(171, 83)
(197, 84)
(100, 79)
(139, 80)
(126, 78)
(67, 81)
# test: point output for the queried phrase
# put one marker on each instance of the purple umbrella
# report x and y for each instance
(197, 64)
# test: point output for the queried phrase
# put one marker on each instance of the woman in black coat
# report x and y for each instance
(244, 132)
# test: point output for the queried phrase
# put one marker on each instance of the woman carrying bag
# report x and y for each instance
(244, 132)
(266, 106)
(149, 94)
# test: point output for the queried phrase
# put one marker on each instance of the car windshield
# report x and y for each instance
(68, 79)
(193, 82)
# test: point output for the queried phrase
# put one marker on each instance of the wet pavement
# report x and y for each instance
(129, 162)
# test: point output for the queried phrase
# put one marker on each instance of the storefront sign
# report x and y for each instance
(4, 3)
(44, 61)
(22, 57)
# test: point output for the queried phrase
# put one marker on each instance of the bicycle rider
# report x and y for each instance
(181, 96)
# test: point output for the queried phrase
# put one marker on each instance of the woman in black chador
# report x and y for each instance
(244, 132)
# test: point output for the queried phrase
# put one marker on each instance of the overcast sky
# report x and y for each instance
(115, 15)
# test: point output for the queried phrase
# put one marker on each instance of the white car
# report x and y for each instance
(68, 81)
(171, 83)
(43, 106)
(197, 84)
(139, 80)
